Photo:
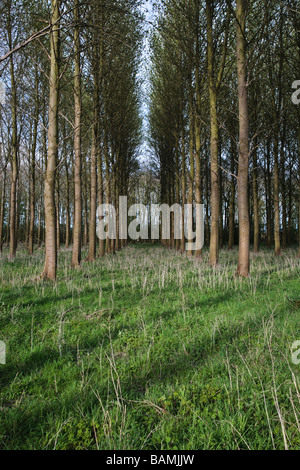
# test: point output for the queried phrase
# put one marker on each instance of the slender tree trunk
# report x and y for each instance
(255, 203)
(283, 187)
(214, 141)
(183, 194)
(27, 219)
(101, 200)
(232, 197)
(244, 225)
(95, 152)
(221, 230)
(50, 216)
(113, 200)
(32, 171)
(7, 228)
(86, 204)
(14, 155)
(276, 192)
(198, 174)
(107, 182)
(299, 176)
(268, 186)
(77, 237)
(2, 207)
(67, 187)
(177, 179)
(58, 211)
(207, 196)
(39, 224)
(191, 174)
(213, 86)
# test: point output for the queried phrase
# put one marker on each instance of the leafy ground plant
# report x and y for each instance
(150, 350)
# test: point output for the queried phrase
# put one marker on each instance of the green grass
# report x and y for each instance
(150, 350)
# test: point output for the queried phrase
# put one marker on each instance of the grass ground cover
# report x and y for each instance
(150, 350)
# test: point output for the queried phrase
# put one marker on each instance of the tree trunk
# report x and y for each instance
(32, 171)
(276, 191)
(191, 173)
(67, 187)
(183, 194)
(244, 226)
(57, 211)
(2, 207)
(232, 197)
(14, 155)
(77, 237)
(255, 203)
(299, 178)
(198, 175)
(50, 216)
(214, 140)
(283, 187)
(95, 151)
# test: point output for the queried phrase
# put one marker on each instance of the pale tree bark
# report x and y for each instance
(214, 85)
(2, 204)
(58, 211)
(67, 188)
(268, 185)
(32, 166)
(32, 170)
(283, 186)
(244, 225)
(276, 89)
(255, 202)
(232, 196)
(214, 228)
(14, 149)
(221, 187)
(198, 169)
(94, 158)
(77, 237)
(177, 183)
(27, 218)
(183, 193)
(50, 267)
(299, 181)
(113, 200)
(108, 181)
(86, 197)
(191, 173)
(296, 20)
(101, 199)
(96, 152)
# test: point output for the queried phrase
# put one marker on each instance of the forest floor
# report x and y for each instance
(150, 350)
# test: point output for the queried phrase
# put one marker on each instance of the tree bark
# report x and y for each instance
(255, 203)
(50, 267)
(77, 237)
(232, 197)
(215, 212)
(2, 206)
(14, 154)
(244, 225)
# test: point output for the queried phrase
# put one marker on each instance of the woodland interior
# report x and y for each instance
(169, 103)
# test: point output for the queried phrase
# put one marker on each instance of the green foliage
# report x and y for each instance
(188, 359)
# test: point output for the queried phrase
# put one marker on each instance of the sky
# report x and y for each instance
(145, 150)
